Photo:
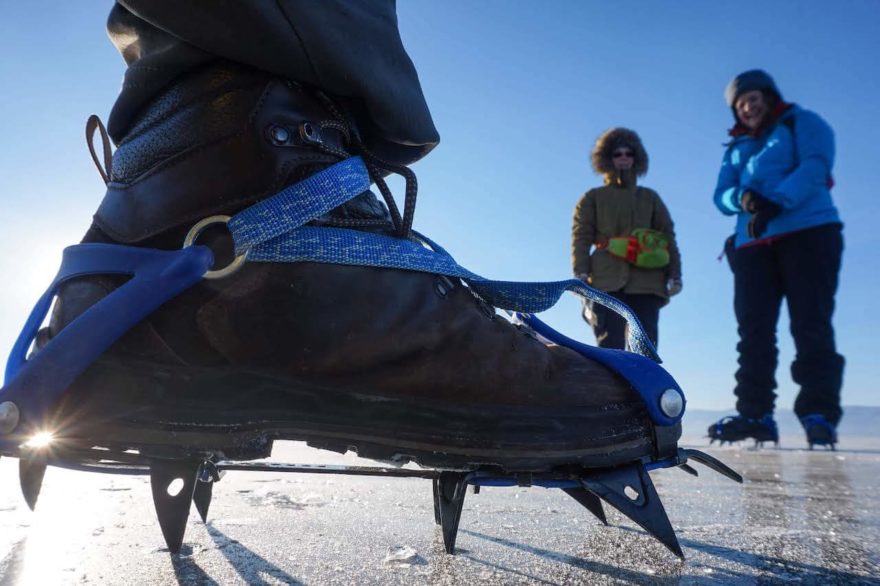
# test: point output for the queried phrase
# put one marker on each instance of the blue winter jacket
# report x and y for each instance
(795, 176)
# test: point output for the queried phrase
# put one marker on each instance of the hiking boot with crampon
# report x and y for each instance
(820, 431)
(737, 428)
(395, 364)
(242, 284)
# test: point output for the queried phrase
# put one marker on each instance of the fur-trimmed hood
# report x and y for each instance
(614, 138)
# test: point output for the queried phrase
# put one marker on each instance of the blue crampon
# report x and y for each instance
(274, 230)
(736, 428)
(820, 431)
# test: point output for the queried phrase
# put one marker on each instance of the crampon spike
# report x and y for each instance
(173, 509)
(30, 475)
(828, 446)
(202, 498)
(689, 469)
(590, 501)
(208, 475)
(713, 463)
(435, 485)
(451, 490)
(629, 490)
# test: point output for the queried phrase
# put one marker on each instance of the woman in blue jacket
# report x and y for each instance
(776, 179)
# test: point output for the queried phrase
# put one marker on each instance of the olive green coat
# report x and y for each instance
(614, 210)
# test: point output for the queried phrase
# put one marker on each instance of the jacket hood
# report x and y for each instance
(614, 138)
(780, 110)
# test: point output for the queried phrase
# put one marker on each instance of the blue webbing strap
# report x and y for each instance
(299, 203)
(354, 247)
(274, 230)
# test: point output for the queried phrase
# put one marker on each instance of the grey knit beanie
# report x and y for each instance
(754, 79)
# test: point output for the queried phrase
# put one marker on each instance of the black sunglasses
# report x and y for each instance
(619, 154)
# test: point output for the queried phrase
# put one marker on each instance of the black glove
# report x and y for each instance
(760, 219)
(762, 209)
(752, 202)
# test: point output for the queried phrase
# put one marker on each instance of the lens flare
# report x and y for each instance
(40, 440)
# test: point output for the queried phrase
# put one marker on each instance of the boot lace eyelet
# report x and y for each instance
(278, 135)
(442, 286)
(309, 134)
(200, 227)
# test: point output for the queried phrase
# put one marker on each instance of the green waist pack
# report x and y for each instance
(644, 247)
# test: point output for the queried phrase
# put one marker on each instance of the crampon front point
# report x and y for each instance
(37, 381)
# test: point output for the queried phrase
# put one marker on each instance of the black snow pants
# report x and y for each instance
(349, 49)
(803, 268)
(610, 328)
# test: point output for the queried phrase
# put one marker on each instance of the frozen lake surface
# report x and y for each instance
(800, 517)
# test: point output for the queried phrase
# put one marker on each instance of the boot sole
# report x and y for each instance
(164, 410)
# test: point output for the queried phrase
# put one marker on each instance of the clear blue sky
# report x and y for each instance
(519, 91)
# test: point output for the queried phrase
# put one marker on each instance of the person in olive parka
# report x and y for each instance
(614, 210)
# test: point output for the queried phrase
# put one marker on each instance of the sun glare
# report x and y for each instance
(40, 440)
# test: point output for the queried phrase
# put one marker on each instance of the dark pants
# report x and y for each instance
(610, 328)
(351, 50)
(803, 268)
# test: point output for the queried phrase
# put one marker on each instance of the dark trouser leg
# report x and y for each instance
(757, 299)
(810, 263)
(647, 309)
(610, 328)
(349, 49)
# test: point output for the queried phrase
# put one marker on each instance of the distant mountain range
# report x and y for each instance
(858, 421)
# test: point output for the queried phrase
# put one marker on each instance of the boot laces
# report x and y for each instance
(106, 170)
(342, 124)
(375, 166)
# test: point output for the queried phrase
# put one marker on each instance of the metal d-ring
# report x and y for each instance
(194, 233)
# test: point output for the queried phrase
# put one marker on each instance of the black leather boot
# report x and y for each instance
(394, 364)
